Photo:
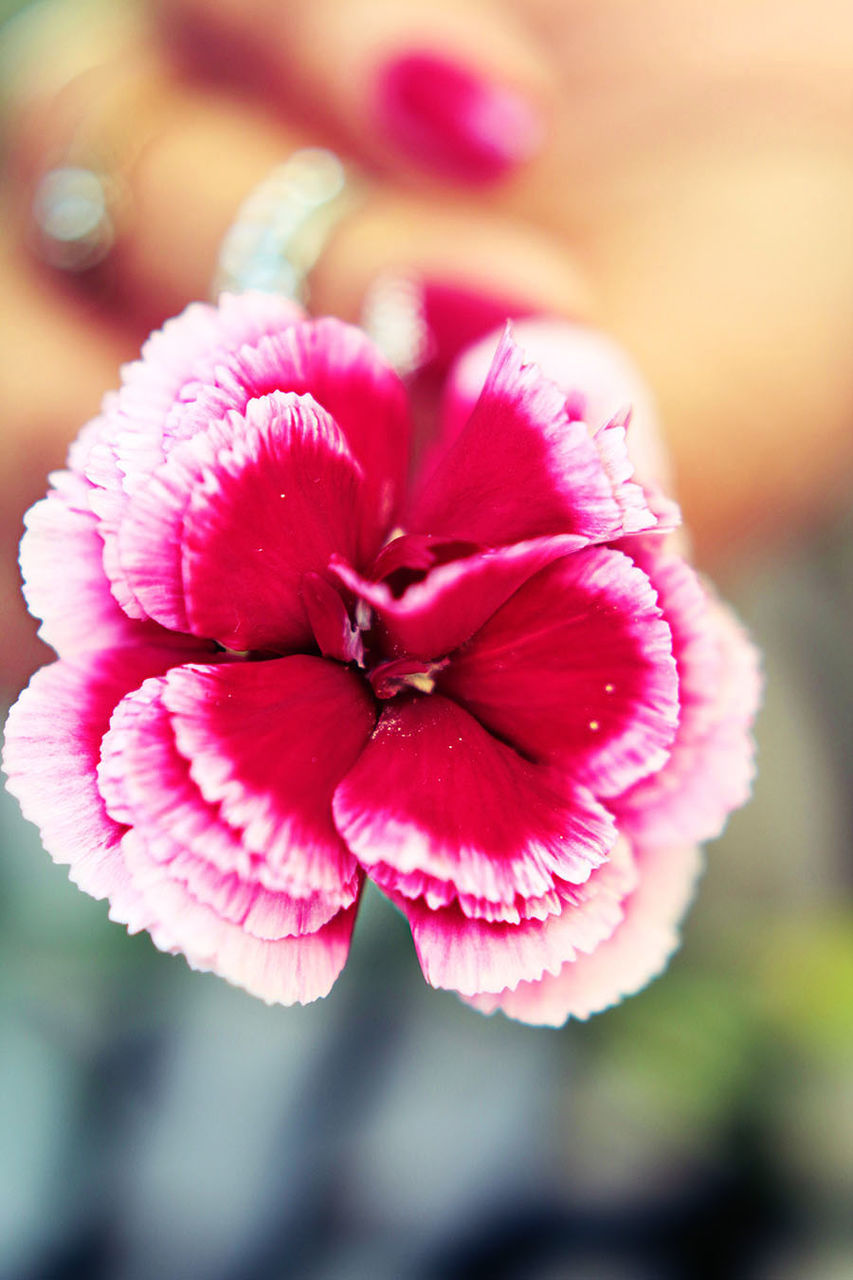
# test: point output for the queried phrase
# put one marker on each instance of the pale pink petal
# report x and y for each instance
(342, 370)
(64, 581)
(473, 957)
(711, 766)
(637, 951)
(287, 970)
(146, 784)
(522, 467)
(63, 575)
(689, 609)
(219, 540)
(446, 607)
(635, 500)
(435, 796)
(94, 433)
(268, 743)
(576, 669)
(52, 744)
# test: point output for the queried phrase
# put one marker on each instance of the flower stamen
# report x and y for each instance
(401, 674)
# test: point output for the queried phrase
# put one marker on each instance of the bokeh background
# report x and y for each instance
(156, 1123)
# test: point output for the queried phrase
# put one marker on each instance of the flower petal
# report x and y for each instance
(523, 467)
(219, 540)
(145, 419)
(473, 956)
(342, 370)
(453, 601)
(52, 744)
(287, 970)
(711, 766)
(146, 784)
(64, 581)
(334, 631)
(433, 796)
(141, 423)
(637, 951)
(591, 370)
(576, 669)
(268, 742)
(92, 435)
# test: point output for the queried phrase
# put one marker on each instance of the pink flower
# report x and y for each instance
(517, 717)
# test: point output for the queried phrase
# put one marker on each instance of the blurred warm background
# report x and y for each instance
(157, 1123)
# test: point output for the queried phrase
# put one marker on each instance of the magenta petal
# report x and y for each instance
(576, 669)
(637, 951)
(453, 601)
(522, 467)
(603, 389)
(414, 553)
(336, 635)
(142, 422)
(146, 784)
(593, 372)
(287, 498)
(52, 744)
(218, 542)
(473, 956)
(435, 796)
(268, 743)
(192, 882)
(710, 770)
(341, 369)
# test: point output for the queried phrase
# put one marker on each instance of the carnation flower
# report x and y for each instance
(497, 690)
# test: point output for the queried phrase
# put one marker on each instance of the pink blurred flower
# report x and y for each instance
(517, 717)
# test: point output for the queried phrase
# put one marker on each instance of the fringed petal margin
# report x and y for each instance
(287, 970)
(62, 566)
(621, 965)
(711, 766)
(474, 956)
(51, 752)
